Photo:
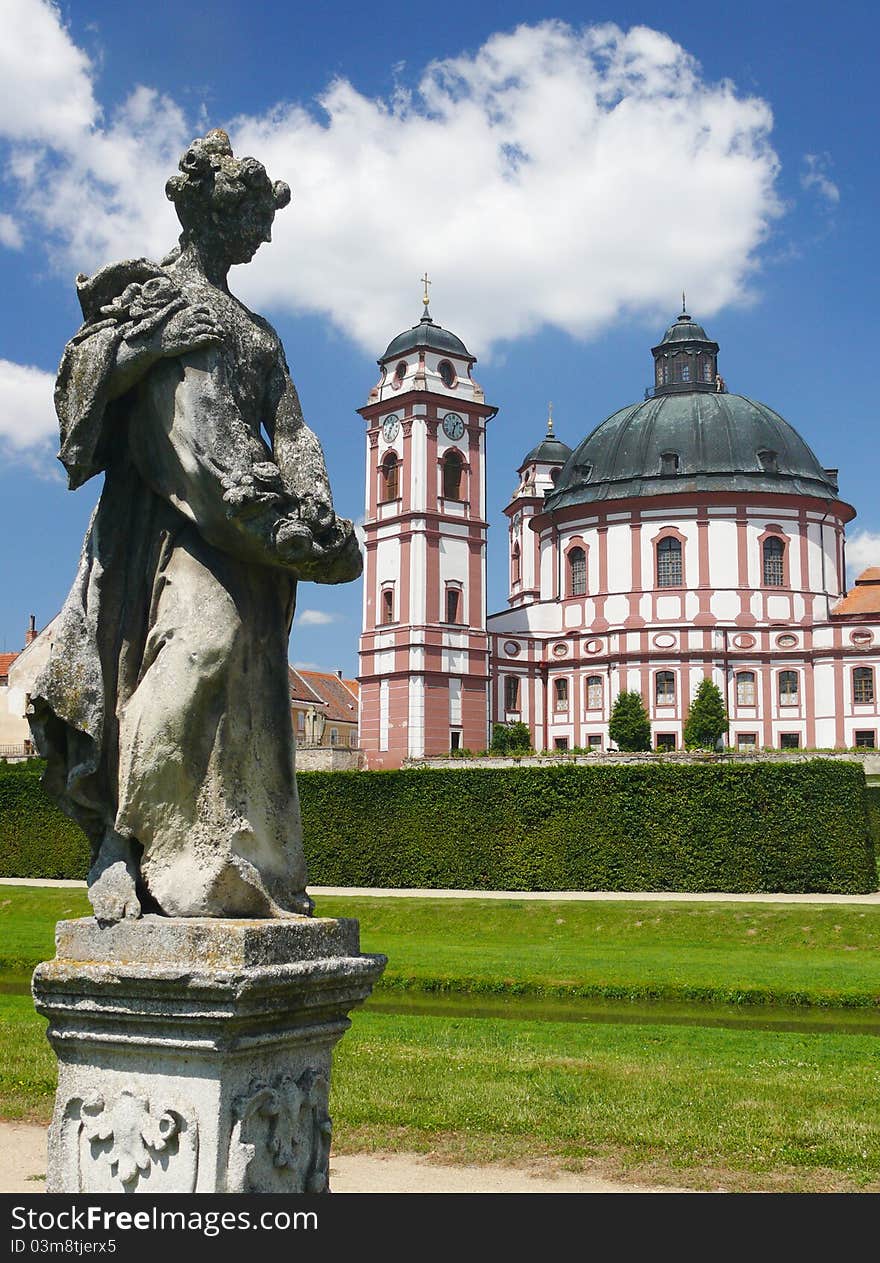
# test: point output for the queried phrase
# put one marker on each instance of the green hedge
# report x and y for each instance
(797, 827)
(36, 840)
(735, 827)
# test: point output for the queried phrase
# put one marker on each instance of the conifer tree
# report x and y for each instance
(707, 720)
(630, 727)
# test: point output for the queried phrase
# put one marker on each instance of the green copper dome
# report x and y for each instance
(691, 442)
(550, 451)
(430, 336)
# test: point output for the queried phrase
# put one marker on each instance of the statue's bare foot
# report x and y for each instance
(114, 896)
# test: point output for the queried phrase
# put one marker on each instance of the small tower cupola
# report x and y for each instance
(685, 360)
(426, 357)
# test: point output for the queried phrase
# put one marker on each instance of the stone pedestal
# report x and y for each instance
(194, 1054)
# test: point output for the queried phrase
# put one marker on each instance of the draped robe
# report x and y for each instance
(164, 710)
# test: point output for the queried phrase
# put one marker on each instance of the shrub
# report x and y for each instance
(630, 727)
(655, 826)
(707, 721)
(513, 738)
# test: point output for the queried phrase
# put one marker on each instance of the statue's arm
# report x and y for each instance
(193, 447)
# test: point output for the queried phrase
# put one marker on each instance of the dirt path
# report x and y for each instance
(23, 1168)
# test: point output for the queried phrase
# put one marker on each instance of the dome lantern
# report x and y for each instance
(685, 360)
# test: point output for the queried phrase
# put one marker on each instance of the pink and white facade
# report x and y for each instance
(424, 650)
(691, 535)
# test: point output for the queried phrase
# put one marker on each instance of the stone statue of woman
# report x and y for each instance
(164, 712)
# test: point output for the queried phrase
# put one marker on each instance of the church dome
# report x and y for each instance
(430, 336)
(550, 451)
(689, 435)
(687, 442)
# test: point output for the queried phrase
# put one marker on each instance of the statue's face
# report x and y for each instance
(252, 226)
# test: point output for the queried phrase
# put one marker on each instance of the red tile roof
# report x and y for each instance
(337, 697)
(6, 661)
(863, 599)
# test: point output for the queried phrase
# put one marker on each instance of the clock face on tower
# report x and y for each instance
(453, 426)
(390, 426)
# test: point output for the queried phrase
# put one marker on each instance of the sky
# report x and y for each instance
(563, 172)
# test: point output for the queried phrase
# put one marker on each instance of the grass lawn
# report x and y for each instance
(696, 1105)
(783, 953)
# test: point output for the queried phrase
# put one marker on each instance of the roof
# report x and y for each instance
(722, 442)
(863, 598)
(6, 661)
(550, 450)
(337, 698)
(684, 329)
(429, 335)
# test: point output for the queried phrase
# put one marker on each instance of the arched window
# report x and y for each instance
(682, 368)
(669, 562)
(515, 564)
(387, 611)
(577, 572)
(452, 471)
(664, 683)
(746, 693)
(863, 685)
(390, 477)
(447, 373)
(400, 371)
(560, 694)
(594, 692)
(788, 688)
(773, 563)
(708, 369)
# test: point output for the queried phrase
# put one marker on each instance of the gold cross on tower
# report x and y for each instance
(426, 282)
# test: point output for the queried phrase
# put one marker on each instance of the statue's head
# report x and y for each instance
(226, 203)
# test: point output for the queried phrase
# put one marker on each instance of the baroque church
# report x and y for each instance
(690, 535)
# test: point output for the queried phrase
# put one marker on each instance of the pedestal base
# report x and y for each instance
(194, 1054)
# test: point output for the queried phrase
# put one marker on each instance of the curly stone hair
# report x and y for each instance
(213, 180)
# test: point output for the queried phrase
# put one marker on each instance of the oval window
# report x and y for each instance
(447, 373)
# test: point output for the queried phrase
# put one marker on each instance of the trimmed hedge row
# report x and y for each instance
(739, 828)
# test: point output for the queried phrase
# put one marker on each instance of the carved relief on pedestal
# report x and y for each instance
(281, 1137)
(119, 1145)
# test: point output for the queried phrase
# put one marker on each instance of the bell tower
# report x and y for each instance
(424, 650)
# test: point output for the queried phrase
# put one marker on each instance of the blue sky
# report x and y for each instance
(562, 180)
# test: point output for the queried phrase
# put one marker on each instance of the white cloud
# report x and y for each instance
(316, 618)
(27, 413)
(816, 177)
(543, 180)
(862, 550)
(10, 233)
(307, 666)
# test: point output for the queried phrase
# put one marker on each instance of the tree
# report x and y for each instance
(511, 738)
(630, 727)
(707, 720)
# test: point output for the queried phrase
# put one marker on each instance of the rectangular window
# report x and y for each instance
(746, 694)
(454, 739)
(594, 741)
(560, 694)
(353, 737)
(453, 599)
(863, 685)
(789, 741)
(300, 721)
(865, 739)
(594, 692)
(334, 736)
(665, 685)
(665, 740)
(746, 741)
(511, 692)
(560, 743)
(788, 688)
